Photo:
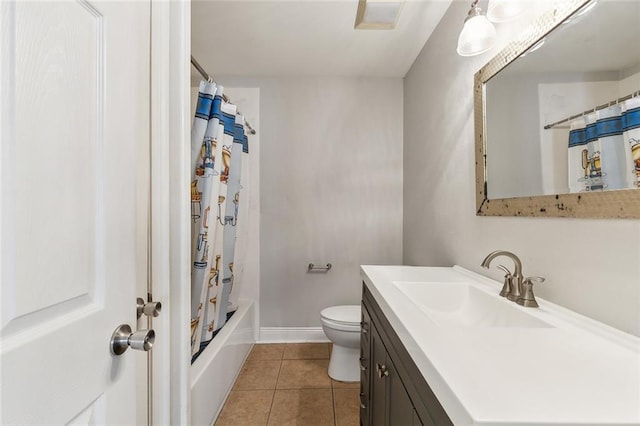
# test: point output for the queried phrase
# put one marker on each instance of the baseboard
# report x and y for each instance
(291, 335)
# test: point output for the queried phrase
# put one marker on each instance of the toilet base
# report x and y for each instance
(344, 364)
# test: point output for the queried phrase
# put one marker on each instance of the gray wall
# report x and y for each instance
(330, 189)
(591, 266)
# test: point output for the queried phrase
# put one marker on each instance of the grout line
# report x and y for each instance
(306, 388)
(333, 402)
(273, 395)
(278, 377)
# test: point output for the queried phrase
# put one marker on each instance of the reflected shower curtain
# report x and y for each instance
(578, 155)
(585, 171)
(215, 195)
(601, 149)
(615, 154)
(631, 135)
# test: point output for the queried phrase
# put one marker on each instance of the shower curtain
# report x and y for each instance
(218, 140)
(602, 149)
(578, 156)
(631, 134)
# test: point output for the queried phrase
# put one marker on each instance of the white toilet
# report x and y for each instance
(341, 324)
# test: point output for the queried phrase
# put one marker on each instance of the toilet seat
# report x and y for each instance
(346, 318)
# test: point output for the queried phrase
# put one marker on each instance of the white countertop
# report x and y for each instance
(578, 372)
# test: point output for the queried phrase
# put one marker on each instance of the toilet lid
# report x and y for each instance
(347, 314)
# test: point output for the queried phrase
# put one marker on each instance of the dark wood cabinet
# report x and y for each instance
(393, 392)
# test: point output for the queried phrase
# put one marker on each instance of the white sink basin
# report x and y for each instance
(478, 350)
(463, 304)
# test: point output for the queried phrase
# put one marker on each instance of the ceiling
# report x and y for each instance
(306, 38)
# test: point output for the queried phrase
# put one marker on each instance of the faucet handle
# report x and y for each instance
(504, 268)
(507, 286)
(528, 299)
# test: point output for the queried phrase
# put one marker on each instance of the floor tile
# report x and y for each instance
(344, 385)
(304, 373)
(250, 408)
(302, 407)
(268, 351)
(258, 375)
(306, 351)
(347, 406)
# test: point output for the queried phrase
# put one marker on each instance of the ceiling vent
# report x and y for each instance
(378, 14)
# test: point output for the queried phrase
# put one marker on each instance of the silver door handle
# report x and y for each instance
(151, 309)
(123, 337)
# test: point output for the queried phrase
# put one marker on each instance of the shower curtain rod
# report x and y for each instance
(598, 108)
(210, 79)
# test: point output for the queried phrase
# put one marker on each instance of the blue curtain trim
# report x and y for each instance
(609, 126)
(216, 108)
(238, 133)
(631, 119)
(577, 137)
(229, 122)
(591, 132)
(203, 109)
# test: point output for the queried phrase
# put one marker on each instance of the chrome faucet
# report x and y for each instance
(512, 288)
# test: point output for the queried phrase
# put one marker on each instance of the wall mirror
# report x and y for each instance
(557, 116)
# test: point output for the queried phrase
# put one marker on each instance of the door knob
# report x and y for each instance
(151, 309)
(123, 338)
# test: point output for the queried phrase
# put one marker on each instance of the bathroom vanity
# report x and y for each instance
(439, 347)
(392, 390)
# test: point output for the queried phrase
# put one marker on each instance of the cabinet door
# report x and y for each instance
(400, 409)
(378, 386)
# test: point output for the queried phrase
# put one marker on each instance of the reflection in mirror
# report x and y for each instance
(564, 117)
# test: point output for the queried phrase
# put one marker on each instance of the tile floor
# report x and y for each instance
(287, 384)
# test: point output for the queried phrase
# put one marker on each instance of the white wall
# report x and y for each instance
(331, 189)
(591, 266)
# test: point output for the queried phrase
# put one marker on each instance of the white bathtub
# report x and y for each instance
(216, 369)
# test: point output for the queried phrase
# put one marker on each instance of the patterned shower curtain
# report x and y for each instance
(217, 141)
(631, 134)
(578, 156)
(601, 149)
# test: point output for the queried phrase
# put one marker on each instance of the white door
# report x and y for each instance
(74, 126)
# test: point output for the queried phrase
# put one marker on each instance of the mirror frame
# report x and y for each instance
(620, 204)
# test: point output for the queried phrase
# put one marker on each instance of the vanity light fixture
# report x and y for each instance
(478, 35)
(505, 10)
(378, 14)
